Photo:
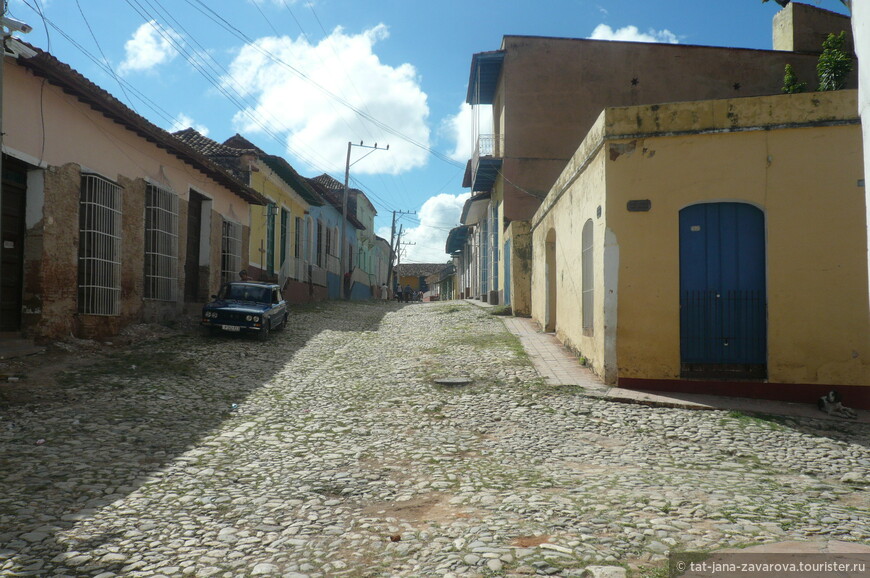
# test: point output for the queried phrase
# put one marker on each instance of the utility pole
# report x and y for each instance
(398, 256)
(399, 250)
(395, 246)
(341, 251)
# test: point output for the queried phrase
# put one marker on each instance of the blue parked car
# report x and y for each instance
(246, 306)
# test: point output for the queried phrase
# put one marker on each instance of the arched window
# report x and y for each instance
(588, 272)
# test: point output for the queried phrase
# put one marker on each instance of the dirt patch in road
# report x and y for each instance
(434, 507)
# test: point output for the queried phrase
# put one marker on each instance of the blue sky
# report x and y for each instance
(302, 78)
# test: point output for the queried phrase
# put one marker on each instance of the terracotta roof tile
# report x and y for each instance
(71, 81)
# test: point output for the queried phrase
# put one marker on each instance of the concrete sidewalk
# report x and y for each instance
(559, 366)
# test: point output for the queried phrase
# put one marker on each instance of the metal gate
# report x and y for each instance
(723, 304)
(12, 246)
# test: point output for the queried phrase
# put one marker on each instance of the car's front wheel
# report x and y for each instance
(283, 323)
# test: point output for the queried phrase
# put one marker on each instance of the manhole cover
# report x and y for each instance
(454, 381)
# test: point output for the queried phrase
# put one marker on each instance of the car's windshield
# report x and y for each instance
(242, 292)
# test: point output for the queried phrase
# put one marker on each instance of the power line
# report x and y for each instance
(241, 35)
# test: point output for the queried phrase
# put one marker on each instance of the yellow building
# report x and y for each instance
(539, 96)
(279, 246)
(713, 247)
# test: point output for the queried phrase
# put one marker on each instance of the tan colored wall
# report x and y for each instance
(803, 28)
(555, 88)
(571, 213)
(552, 90)
(111, 150)
(520, 235)
(804, 178)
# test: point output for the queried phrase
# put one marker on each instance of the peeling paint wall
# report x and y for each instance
(519, 233)
(585, 196)
(51, 258)
(796, 157)
(64, 136)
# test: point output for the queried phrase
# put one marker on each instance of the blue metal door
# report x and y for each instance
(723, 303)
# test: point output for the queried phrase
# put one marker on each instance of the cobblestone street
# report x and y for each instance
(329, 450)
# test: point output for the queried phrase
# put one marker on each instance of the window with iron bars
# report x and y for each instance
(161, 244)
(99, 274)
(231, 251)
(319, 255)
(297, 250)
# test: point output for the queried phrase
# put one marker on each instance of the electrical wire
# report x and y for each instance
(103, 54)
(212, 71)
(228, 26)
(100, 64)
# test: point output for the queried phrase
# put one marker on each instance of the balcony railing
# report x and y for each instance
(489, 145)
(486, 161)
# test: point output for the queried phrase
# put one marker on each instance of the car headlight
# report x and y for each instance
(248, 318)
(256, 319)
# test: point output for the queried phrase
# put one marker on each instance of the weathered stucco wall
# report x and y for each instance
(520, 235)
(51, 258)
(582, 188)
(802, 28)
(553, 89)
(67, 136)
(761, 151)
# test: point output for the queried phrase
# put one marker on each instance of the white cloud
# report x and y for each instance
(316, 127)
(632, 34)
(437, 216)
(458, 128)
(148, 48)
(182, 121)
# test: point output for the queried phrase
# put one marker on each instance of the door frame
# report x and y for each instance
(723, 324)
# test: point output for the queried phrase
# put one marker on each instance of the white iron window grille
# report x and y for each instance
(99, 274)
(161, 244)
(231, 251)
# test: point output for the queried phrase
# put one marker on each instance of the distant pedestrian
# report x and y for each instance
(385, 293)
(243, 275)
(408, 293)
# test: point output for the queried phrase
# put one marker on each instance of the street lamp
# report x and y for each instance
(341, 259)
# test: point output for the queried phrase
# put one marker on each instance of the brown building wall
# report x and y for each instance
(803, 28)
(553, 89)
